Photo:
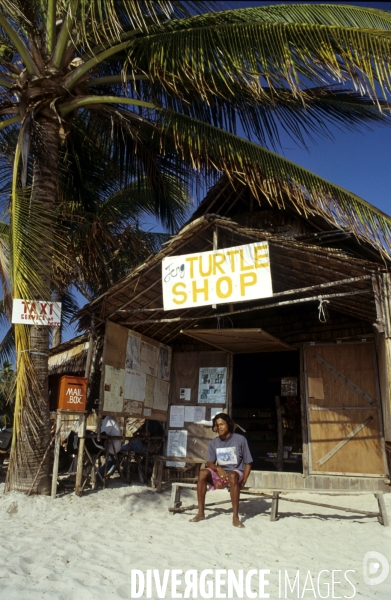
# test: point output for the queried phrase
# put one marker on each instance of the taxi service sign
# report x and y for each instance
(234, 274)
(36, 312)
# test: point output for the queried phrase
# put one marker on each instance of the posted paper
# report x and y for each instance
(177, 416)
(177, 442)
(212, 385)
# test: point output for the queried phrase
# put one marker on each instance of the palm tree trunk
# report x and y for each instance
(30, 462)
(56, 331)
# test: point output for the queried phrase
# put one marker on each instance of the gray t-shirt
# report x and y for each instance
(231, 453)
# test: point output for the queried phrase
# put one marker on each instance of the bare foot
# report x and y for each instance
(236, 522)
(197, 518)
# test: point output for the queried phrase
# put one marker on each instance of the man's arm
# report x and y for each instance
(246, 473)
(219, 470)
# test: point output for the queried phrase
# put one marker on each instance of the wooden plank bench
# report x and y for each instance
(176, 504)
(158, 468)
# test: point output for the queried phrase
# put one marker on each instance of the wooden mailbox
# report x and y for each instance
(72, 393)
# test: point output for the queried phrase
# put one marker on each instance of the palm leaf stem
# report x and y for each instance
(4, 124)
(89, 100)
(51, 25)
(78, 73)
(5, 83)
(20, 46)
(112, 79)
(64, 35)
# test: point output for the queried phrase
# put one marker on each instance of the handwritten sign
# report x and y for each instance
(36, 312)
(234, 274)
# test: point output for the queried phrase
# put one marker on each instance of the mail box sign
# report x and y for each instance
(72, 393)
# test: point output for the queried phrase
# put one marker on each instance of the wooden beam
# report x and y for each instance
(340, 444)
(345, 379)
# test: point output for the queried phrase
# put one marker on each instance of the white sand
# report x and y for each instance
(84, 548)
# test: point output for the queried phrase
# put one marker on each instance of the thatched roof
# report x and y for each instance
(69, 357)
(235, 200)
(136, 301)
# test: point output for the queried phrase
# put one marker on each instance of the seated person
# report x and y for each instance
(138, 446)
(110, 428)
(229, 450)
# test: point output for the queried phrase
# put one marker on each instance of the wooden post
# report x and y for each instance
(274, 510)
(90, 347)
(303, 411)
(382, 517)
(56, 454)
(229, 383)
(280, 434)
(215, 244)
(80, 454)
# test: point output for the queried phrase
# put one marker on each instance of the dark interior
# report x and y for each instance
(256, 383)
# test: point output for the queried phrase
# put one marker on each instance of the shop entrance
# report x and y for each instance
(257, 380)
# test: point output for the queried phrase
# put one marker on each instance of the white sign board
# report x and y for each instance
(36, 312)
(233, 274)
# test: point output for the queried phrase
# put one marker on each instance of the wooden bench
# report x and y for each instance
(176, 504)
(158, 468)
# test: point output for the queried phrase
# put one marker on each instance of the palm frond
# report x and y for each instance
(204, 147)
(278, 46)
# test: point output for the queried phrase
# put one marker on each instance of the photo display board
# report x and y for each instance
(200, 388)
(136, 380)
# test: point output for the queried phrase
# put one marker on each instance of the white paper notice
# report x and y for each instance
(199, 414)
(147, 412)
(212, 385)
(215, 411)
(149, 359)
(189, 414)
(184, 394)
(177, 443)
(160, 394)
(113, 399)
(133, 352)
(135, 383)
(177, 416)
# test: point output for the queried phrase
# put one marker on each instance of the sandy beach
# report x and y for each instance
(85, 548)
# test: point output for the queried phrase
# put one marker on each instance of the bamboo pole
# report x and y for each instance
(303, 412)
(252, 309)
(280, 434)
(56, 454)
(80, 455)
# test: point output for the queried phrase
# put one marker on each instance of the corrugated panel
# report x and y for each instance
(239, 341)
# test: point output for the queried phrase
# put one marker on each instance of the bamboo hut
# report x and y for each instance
(306, 367)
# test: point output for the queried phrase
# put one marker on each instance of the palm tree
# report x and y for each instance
(162, 88)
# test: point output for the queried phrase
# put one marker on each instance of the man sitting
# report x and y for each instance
(149, 428)
(229, 450)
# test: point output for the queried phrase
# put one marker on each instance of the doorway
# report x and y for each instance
(257, 379)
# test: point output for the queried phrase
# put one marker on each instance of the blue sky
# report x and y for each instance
(357, 161)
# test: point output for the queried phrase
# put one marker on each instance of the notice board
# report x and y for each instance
(136, 375)
(195, 378)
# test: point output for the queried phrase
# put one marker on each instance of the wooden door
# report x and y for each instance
(343, 410)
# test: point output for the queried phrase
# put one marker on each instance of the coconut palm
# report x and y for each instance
(163, 88)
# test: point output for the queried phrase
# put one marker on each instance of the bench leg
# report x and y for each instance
(175, 501)
(274, 510)
(382, 516)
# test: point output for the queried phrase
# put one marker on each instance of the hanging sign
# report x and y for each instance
(233, 274)
(36, 312)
